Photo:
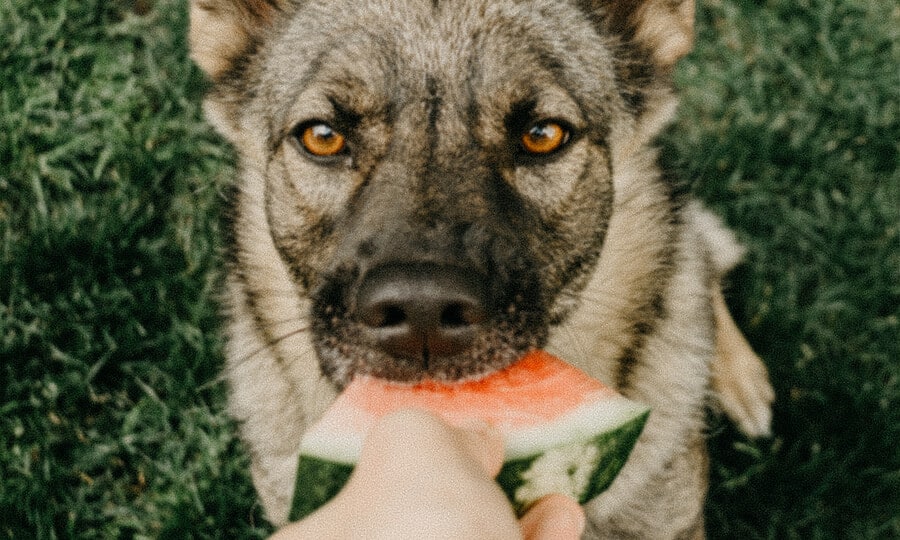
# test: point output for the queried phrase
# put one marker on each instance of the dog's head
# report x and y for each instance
(438, 177)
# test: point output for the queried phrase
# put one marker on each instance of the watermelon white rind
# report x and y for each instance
(576, 446)
(582, 469)
(581, 424)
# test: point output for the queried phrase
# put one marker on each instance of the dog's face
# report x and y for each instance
(440, 197)
(437, 183)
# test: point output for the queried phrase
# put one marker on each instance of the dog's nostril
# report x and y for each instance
(452, 315)
(383, 316)
(393, 316)
(461, 314)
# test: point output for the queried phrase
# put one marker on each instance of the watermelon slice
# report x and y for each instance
(563, 431)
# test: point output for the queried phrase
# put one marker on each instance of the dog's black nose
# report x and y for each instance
(423, 311)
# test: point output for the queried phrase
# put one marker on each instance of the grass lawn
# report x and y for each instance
(111, 410)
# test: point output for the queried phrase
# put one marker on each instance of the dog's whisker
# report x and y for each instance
(259, 350)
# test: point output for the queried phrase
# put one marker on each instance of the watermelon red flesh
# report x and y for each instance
(563, 431)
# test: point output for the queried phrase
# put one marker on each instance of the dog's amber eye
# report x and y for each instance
(544, 138)
(321, 140)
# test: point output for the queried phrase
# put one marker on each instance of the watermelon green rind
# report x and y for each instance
(318, 480)
(618, 446)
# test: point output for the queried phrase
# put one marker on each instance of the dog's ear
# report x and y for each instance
(222, 31)
(664, 27)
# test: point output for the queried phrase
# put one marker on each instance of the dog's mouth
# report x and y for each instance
(415, 320)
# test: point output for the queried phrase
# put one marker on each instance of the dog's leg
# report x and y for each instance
(740, 380)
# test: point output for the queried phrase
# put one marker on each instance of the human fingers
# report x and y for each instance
(414, 460)
(554, 517)
(484, 443)
(422, 437)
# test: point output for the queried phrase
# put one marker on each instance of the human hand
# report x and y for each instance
(420, 478)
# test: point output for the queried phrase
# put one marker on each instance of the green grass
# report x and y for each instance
(111, 412)
(111, 421)
(789, 128)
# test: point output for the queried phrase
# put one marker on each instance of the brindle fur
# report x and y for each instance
(589, 253)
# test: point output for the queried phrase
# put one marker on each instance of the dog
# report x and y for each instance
(433, 188)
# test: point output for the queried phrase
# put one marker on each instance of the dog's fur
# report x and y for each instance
(590, 252)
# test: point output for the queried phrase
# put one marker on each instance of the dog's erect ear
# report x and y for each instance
(664, 27)
(222, 30)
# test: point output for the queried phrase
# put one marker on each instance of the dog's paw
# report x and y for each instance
(747, 399)
(740, 381)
